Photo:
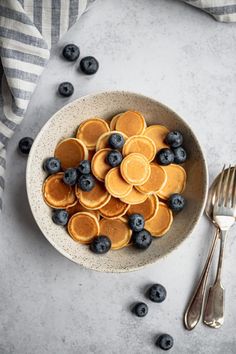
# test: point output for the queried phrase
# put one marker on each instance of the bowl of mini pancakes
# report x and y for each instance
(138, 184)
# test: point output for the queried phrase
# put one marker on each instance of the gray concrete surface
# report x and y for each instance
(182, 57)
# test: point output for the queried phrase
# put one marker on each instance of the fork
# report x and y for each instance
(224, 213)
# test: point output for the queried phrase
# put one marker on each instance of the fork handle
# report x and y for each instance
(195, 306)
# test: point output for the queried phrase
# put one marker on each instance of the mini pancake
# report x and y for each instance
(161, 223)
(114, 209)
(140, 144)
(91, 153)
(131, 123)
(175, 183)
(148, 208)
(117, 230)
(83, 227)
(156, 180)
(134, 197)
(78, 207)
(96, 198)
(135, 169)
(116, 185)
(99, 165)
(70, 152)
(90, 130)
(102, 142)
(157, 133)
(56, 193)
(113, 121)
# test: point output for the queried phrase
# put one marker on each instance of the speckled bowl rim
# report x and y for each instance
(205, 179)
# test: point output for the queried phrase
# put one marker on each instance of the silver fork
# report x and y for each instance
(224, 213)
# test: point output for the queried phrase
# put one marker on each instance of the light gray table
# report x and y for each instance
(182, 57)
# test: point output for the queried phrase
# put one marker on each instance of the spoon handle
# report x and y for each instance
(194, 310)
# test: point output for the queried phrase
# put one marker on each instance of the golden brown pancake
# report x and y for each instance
(103, 143)
(135, 169)
(83, 227)
(116, 185)
(78, 207)
(99, 165)
(96, 198)
(113, 121)
(156, 180)
(90, 130)
(140, 144)
(70, 152)
(148, 208)
(157, 133)
(114, 209)
(131, 123)
(134, 197)
(117, 230)
(161, 223)
(56, 193)
(175, 183)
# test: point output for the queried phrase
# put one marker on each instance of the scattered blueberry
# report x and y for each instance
(136, 222)
(66, 89)
(60, 217)
(165, 157)
(25, 145)
(70, 176)
(116, 141)
(71, 52)
(142, 239)
(157, 293)
(84, 167)
(114, 158)
(180, 155)
(100, 244)
(165, 341)
(176, 202)
(141, 309)
(89, 65)
(174, 139)
(52, 165)
(86, 182)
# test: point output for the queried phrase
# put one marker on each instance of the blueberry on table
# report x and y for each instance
(25, 144)
(100, 244)
(165, 341)
(71, 52)
(52, 165)
(141, 309)
(142, 239)
(180, 155)
(174, 139)
(70, 176)
(157, 293)
(86, 182)
(66, 89)
(176, 202)
(165, 157)
(116, 141)
(114, 158)
(60, 217)
(84, 167)
(89, 65)
(136, 222)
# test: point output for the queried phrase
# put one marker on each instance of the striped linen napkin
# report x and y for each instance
(28, 29)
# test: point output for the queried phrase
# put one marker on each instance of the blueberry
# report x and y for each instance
(165, 157)
(70, 176)
(180, 155)
(84, 167)
(89, 65)
(66, 89)
(116, 141)
(141, 309)
(60, 217)
(71, 52)
(142, 239)
(52, 165)
(136, 222)
(25, 145)
(165, 341)
(157, 293)
(176, 202)
(86, 182)
(174, 139)
(100, 244)
(114, 158)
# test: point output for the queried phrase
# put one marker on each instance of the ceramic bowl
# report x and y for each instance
(63, 124)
